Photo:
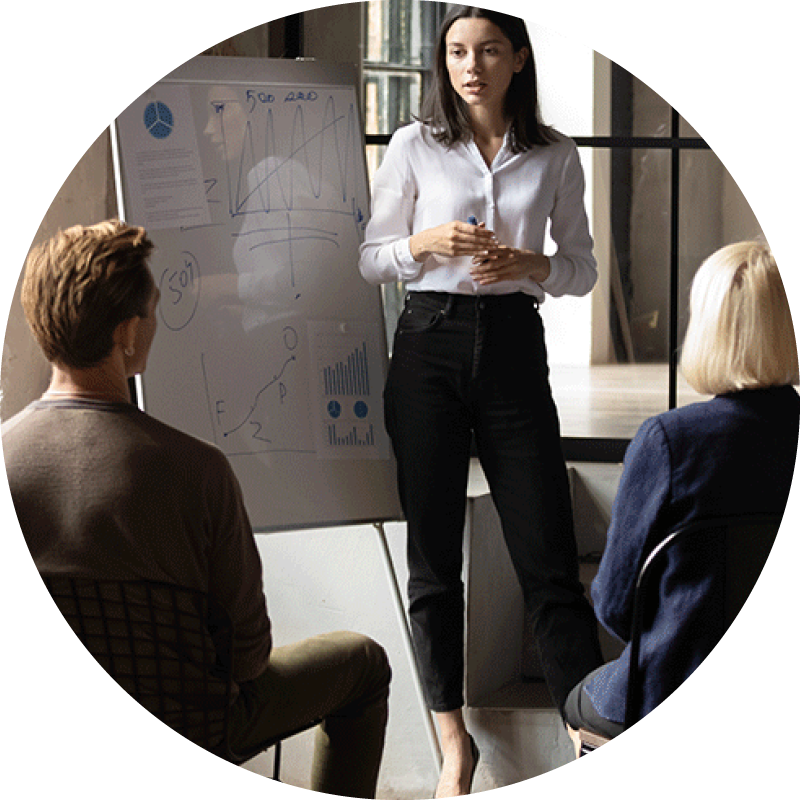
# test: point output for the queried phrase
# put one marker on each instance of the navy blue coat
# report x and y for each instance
(734, 454)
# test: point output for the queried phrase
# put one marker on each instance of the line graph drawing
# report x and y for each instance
(276, 380)
(255, 148)
(290, 176)
(263, 411)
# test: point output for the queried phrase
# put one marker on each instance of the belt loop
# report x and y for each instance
(448, 306)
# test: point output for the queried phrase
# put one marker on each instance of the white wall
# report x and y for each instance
(319, 581)
(573, 61)
(86, 197)
(568, 66)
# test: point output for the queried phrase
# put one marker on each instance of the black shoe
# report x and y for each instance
(476, 756)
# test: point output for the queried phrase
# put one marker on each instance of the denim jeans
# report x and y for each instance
(465, 366)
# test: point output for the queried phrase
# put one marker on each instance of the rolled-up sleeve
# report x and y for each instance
(386, 254)
(573, 268)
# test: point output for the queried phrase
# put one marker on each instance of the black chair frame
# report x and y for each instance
(752, 535)
(169, 647)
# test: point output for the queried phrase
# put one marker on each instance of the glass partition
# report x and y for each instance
(658, 199)
(729, 195)
(609, 388)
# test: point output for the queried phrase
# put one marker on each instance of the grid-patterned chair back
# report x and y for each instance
(169, 647)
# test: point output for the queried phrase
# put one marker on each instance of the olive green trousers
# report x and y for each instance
(340, 680)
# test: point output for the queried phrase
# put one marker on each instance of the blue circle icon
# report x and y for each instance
(334, 408)
(361, 409)
(158, 119)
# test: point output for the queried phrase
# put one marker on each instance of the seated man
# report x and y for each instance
(103, 490)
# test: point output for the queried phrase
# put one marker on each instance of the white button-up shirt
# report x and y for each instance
(421, 184)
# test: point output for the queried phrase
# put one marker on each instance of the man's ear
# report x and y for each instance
(125, 334)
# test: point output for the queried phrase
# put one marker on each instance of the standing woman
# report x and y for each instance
(461, 203)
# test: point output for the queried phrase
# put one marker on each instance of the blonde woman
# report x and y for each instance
(731, 455)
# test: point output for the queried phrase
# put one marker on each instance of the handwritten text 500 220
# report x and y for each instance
(255, 98)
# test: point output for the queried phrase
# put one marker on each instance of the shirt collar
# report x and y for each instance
(503, 154)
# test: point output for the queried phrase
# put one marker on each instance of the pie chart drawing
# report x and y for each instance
(158, 119)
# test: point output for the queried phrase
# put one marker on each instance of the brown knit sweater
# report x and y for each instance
(104, 490)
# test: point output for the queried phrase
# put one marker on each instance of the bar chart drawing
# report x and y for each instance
(345, 360)
(351, 436)
(349, 376)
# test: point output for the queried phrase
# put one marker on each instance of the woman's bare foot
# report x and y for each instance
(458, 757)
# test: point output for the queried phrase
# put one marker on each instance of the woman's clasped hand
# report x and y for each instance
(492, 262)
(453, 239)
(502, 263)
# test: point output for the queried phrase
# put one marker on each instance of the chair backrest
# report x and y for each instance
(715, 651)
(169, 647)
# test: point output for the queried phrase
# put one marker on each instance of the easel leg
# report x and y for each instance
(399, 606)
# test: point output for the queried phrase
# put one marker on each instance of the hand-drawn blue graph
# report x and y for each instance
(291, 180)
(297, 172)
(265, 409)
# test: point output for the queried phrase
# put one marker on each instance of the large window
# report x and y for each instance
(661, 202)
(398, 48)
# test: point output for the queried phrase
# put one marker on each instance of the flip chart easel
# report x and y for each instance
(249, 176)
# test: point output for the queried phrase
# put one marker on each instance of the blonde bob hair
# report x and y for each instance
(740, 333)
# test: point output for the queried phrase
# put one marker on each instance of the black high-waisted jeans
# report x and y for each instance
(463, 366)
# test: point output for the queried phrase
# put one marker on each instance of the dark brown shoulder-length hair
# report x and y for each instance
(446, 113)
